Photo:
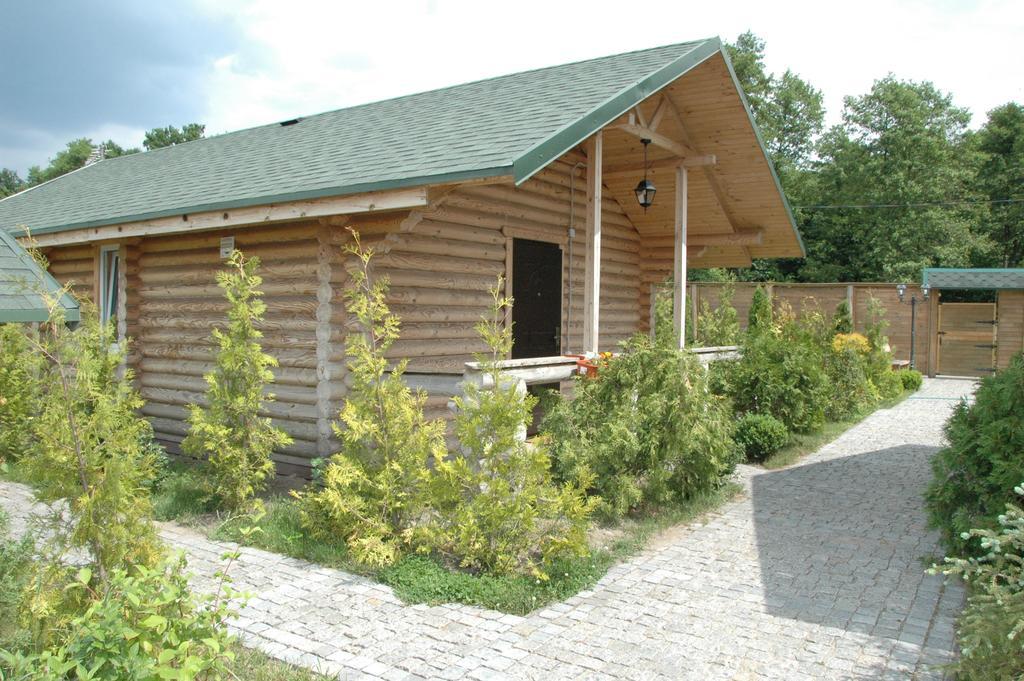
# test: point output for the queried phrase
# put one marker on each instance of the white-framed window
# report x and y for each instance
(110, 270)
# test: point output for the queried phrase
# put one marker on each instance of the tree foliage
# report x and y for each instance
(1000, 177)
(375, 489)
(170, 135)
(229, 431)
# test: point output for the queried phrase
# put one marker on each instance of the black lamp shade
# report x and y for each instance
(645, 191)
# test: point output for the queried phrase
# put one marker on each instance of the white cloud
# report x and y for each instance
(302, 57)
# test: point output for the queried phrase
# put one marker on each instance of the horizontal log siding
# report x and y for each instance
(174, 303)
(441, 269)
(75, 265)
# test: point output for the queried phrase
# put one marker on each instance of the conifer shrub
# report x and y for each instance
(374, 491)
(93, 446)
(647, 429)
(842, 320)
(719, 326)
(496, 506)
(760, 436)
(229, 432)
(976, 471)
(911, 379)
(20, 367)
(781, 373)
(846, 365)
(879, 359)
(761, 315)
(990, 630)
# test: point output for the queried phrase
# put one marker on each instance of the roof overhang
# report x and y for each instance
(974, 278)
(24, 286)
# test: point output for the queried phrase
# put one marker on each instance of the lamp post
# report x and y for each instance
(901, 291)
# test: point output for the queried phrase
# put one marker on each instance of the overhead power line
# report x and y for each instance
(923, 204)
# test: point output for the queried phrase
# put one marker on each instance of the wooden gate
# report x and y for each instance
(967, 339)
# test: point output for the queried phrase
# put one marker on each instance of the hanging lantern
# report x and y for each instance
(645, 190)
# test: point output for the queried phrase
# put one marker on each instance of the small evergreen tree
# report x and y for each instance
(92, 446)
(842, 320)
(498, 508)
(229, 432)
(374, 490)
(719, 326)
(759, 319)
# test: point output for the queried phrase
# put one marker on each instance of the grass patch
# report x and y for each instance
(802, 444)
(423, 579)
(180, 495)
(252, 665)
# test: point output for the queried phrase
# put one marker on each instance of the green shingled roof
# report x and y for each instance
(512, 125)
(20, 277)
(976, 278)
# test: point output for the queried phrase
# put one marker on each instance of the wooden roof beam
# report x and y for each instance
(687, 162)
(657, 139)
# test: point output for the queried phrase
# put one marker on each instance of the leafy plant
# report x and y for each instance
(497, 507)
(647, 428)
(229, 432)
(375, 489)
(20, 367)
(991, 627)
(846, 365)
(760, 435)
(976, 471)
(143, 623)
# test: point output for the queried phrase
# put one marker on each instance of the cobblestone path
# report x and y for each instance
(815, 573)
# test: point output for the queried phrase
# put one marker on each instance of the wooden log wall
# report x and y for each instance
(442, 267)
(77, 265)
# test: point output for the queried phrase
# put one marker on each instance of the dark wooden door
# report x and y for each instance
(537, 290)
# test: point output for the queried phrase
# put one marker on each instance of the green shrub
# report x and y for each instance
(496, 506)
(780, 373)
(92, 449)
(990, 630)
(889, 384)
(842, 320)
(761, 314)
(851, 391)
(15, 571)
(647, 428)
(142, 624)
(229, 432)
(911, 379)
(879, 359)
(373, 491)
(976, 471)
(20, 365)
(719, 326)
(760, 435)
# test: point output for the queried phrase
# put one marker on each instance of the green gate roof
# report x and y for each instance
(510, 125)
(20, 278)
(974, 278)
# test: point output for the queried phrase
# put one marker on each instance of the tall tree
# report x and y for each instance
(1000, 179)
(73, 157)
(169, 136)
(10, 182)
(790, 114)
(895, 168)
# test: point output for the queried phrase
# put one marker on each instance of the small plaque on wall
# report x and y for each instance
(227, 244)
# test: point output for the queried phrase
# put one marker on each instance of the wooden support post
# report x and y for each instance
(592, 264)
(933, 333)
(679, 279)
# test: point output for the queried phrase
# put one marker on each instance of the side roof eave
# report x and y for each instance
(70, 305)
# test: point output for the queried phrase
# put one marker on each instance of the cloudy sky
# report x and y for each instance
(116, 68)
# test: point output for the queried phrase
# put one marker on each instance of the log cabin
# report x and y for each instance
(533, 176)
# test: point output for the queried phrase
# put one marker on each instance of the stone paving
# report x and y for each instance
(815, 573)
